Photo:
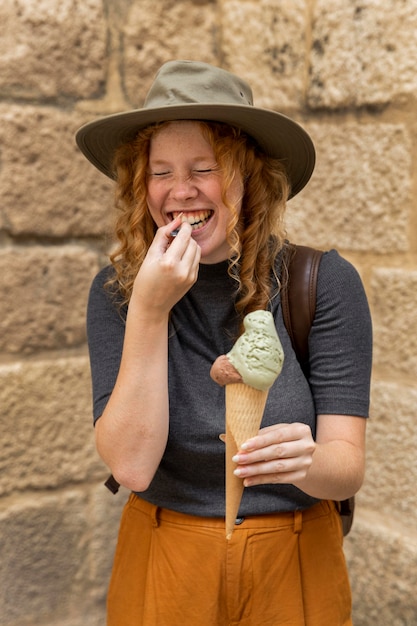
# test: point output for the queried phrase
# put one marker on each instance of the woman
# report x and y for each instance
(203, 178)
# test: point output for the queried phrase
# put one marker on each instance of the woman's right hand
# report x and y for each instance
(169, 269)
(131, 434)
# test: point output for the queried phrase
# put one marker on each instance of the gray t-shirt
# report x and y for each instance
(203, 325)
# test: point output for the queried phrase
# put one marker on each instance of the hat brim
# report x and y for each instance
(276, 134)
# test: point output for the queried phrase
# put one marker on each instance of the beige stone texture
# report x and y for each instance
(52, 49)
(265, 42)
(363, 53)
(382, 560)
(357, 199)
(185, 30)
(48, 187)
(56, 554)
(391, 460)
(106, 509)
(44, 295)
(46, 423)
(393, 297)
(44, 545)
(346, 72)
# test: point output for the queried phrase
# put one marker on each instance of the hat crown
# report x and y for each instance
(190, 82)
(193, 90)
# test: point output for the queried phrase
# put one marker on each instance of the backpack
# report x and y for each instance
(298, 301)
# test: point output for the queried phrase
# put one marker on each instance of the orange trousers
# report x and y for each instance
(172, 569)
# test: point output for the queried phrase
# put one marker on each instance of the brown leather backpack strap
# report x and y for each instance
(347, 511)
(298, 301)
(298, 297)
(112, 484)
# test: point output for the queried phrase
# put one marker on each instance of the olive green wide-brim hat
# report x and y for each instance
(190, 90)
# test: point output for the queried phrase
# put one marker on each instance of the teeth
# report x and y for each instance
(196, 220)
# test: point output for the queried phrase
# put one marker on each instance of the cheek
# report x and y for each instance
(154, 195)
(151, 195)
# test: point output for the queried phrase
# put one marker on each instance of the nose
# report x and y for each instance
(183, 188)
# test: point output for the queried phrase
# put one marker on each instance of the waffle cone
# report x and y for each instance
(244, 410)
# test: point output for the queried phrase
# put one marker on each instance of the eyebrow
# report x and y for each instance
(173, 160)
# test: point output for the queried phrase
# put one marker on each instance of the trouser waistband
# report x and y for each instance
(269, 520)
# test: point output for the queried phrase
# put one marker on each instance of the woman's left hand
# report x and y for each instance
(279, 454)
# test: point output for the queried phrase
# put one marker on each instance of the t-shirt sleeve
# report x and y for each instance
(105, 334)
(340, 340)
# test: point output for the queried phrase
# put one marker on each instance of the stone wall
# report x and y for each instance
(346, 71)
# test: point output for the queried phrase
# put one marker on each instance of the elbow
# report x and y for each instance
(353, 485)
(137, 479)
(133, 469)
(360, 474)
(357, 485)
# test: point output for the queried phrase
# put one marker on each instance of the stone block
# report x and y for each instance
(264, 42)
(357, 199)
(382, 563)
(47, 186)
(393, 299)
(46, 423)
(363, 53)
(156, 32)
(44, 297)
(391, 470)
(52, 50)
(106, 509)
(44, 565)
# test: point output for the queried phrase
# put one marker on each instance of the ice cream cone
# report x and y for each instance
(244, 410)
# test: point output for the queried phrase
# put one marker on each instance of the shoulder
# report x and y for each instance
(100, 288)
(332, 261)
(339, 278)
(100, 279)
(103, 296)
(341, 297)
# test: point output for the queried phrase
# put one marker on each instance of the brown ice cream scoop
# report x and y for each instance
(223, 372)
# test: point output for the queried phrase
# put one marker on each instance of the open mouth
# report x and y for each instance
(196, 219)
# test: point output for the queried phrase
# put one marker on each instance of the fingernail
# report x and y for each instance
(175, 232)
(237, 472)
(235, 458)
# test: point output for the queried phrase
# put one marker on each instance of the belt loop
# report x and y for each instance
(298, 521)
(154, 516)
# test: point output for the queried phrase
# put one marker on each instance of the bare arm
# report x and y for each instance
(332, 467)
(132, 432)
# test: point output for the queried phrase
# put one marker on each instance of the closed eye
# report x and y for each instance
(206, 170)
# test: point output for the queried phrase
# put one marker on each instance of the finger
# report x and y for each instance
(277, 472)
(272, 467)
(276, 434)
(176, 224)
(163, 237)
(192, 255)
(268, 453)
(185, 254)
(266, 436)
(179, 244)
(283, 478)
